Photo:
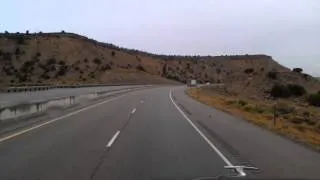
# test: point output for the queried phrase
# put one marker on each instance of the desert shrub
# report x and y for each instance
(20, 40)
(253, 109)
(105, 67)
(280, 91)
(85, 60)
(284, 108)
(97, 61)
(38, 54)
(249, 70)
(62, 63)
(53, 68)
(248, 107)
(298, 70)
(173, 77)
(218, 71)
(92, 75)
(231, 102)
(1, 52)
(261, 69)
(314, 100)
(242, 103)
(296, 120)
(62, 71)
(306, 76)
(7, 56)
(272, 75)
(140, 68)
(113, 53)
(52, 61)
(18, 51)
(296, 90)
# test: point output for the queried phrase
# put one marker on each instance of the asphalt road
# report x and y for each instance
(7, 99)
(149, 135)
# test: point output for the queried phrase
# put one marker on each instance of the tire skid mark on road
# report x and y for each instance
(111, 142)
(229, 148)
(185, 109)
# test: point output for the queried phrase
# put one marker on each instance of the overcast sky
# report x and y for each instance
(288, 30)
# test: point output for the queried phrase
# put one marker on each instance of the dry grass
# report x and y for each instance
(296, 121)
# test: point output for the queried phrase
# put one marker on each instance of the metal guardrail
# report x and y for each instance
(44, 88)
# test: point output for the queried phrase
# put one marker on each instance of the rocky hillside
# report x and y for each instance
(69, 58)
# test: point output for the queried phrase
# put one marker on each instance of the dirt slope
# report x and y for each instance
(69, 58)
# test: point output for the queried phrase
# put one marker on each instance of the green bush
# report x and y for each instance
(280, 91)
(314, 100)
(296, 90)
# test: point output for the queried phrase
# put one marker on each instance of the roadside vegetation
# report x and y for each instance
(294, 113)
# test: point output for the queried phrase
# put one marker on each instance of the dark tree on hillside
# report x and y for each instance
(298, 70)
(6, 32)
(27, 32)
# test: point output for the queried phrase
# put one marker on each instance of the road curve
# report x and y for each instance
(149, 135)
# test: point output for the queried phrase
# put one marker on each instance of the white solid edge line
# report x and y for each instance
(56, 119)
(113, 139)
(203, 136)
(133, 110)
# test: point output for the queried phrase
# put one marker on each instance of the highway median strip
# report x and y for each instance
(56, 119)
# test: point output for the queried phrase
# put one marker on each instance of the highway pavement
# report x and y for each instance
(157, 133)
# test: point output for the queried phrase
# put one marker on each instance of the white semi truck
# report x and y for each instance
(192, 83)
